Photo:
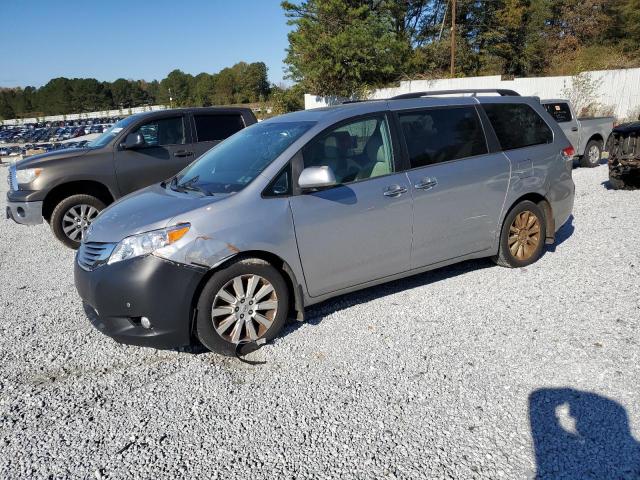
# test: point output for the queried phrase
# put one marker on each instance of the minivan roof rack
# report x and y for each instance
(500, 91)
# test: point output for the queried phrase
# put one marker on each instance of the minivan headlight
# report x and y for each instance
(148, 242)
(27, 175)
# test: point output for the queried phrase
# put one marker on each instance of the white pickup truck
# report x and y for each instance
(587, 135)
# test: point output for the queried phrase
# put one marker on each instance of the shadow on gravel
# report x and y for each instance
(563, 234)
(316, 313)
(579, 435)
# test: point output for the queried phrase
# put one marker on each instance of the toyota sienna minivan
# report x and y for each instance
(309, 205)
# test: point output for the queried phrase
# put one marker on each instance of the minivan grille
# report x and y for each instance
(93, 254)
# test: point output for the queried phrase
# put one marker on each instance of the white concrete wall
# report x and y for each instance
(79, 116)
(619, 89)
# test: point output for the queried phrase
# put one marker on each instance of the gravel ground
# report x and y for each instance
(472, 371)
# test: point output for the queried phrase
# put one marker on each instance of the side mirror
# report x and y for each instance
(133, 140)
(317, 177)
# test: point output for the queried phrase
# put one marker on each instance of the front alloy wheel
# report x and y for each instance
(243, 304)
(244, 309)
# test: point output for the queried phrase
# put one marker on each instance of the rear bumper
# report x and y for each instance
(116, 297)
(25, 213)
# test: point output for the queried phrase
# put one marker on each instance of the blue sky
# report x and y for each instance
(109, 39)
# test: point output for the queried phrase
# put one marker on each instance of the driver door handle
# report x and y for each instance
(394, 191)
(182, 153)
(574, 129)
(426, 183)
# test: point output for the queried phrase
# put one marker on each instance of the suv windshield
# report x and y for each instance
(234, 163)
(109, 134)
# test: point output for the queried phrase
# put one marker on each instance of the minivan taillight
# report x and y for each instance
(568, 153)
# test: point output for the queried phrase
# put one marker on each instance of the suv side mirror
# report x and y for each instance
(133, 140)
(317, 177)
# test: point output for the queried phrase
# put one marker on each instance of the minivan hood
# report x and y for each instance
(148, 209)
(43, 158)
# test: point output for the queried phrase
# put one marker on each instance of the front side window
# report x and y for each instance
(356, 151)
(560, 112)
(163, 131)
(517, 125)
(111, 132)
(237, 161)
(442, 134)
(211, 128)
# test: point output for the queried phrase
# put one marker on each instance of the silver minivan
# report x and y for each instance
(309, 205)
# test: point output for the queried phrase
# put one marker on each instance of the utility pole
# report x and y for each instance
(453, 38)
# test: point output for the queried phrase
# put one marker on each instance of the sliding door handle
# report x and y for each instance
(426, 184)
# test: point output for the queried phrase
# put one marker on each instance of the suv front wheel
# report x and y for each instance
(72, 217)
(523, 236)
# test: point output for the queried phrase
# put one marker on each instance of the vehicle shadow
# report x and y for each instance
(316, 313)
(563, 234)
(579, 435)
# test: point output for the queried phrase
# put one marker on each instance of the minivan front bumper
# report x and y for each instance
(116, 298)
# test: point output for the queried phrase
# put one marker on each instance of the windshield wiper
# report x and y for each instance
(188, 186)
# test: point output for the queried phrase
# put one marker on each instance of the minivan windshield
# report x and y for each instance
(109, 134)
(234, 163)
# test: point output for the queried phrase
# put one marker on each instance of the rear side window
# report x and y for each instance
(517, 125)
(443, 134)
(560, 112)
(211, 128)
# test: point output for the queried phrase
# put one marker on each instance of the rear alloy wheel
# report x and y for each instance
(72, 217)
(592, 154)
(243, 304)
(523, 236)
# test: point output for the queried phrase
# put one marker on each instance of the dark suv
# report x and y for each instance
(68, 188)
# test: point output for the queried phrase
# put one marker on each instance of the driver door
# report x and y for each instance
(167, 149)
(359, 230)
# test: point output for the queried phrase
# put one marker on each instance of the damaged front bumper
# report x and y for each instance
(145, 301)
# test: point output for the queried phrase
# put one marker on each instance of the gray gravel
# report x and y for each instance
(430, 377)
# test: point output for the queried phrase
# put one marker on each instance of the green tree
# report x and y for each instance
(254, 83)
(224, 89)
(343, 47)
(179, 85)
(285, 100)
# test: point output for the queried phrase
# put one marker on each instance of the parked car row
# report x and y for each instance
(293, 210)
(30, 148)
(54, 131)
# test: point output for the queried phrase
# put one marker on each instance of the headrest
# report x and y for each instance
(375, 149)
(330, 147)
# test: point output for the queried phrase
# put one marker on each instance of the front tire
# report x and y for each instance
(73, 216)
(244, 303)
(592, 154)
(522, 237)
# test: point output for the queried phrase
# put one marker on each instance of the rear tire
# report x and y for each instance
(592, 154)
(522, 237)
(230, 313)
(72, 216)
